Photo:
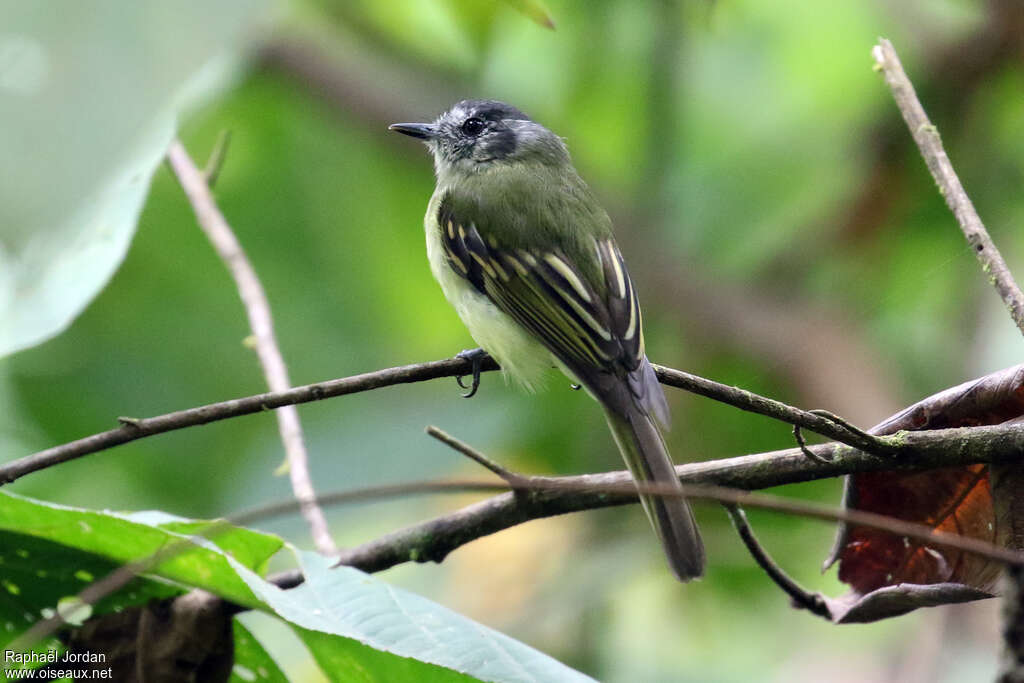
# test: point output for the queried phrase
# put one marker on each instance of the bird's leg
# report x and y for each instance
(477, 358)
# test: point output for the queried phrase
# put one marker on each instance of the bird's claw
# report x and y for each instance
(477, 358)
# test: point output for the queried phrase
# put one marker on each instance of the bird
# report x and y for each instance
(525, 254)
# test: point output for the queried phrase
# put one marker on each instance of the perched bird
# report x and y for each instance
(526, 256)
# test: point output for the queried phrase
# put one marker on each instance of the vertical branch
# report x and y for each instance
(930, 144)
(928, 141)
(257, 308)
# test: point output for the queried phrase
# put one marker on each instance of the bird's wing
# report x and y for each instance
(596, 331)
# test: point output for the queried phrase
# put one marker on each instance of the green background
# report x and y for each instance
(781, 229)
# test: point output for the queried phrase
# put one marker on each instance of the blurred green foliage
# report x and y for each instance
(90, 98)
(783, 233)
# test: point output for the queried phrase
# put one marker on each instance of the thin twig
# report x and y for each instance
(432, 540)
(214, 165)
(257, 308)
(570, 493)
(588, 492)
(473, 454)
(138, 428)
(992, 264)
(847, 425)
(928, 141)
(801, 597)
(918, 450)
(831, 417)
(801, 443)
(751, 402)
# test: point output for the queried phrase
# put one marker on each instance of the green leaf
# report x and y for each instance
(36, 574)
(90, 95)
(357, 607)
(345, 660)
(356, 626)
(212, 564)
(535, 10)
(252, 663)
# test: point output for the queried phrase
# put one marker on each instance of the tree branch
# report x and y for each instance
(928, 141)
(930, 144)
(132, 429)
(476, 456)
(433, 539)
(990, 399)
(529, 494)
(816, 421)
(257, 308)
(800, 597)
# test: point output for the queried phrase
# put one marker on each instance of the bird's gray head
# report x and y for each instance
(481, 135)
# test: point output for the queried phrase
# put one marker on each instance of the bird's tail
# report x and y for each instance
(644, 451)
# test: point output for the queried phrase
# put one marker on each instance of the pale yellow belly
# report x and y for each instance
(521, 357)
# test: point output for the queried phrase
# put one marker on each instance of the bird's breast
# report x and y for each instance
(519, 354)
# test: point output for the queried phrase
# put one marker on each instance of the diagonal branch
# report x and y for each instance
(612, 488)
(816, 421)
(132, 429)
(433, 539)
(723, 480)
(800, 597)
(257, 308)
(473, 454)
(928, 141)
(930, 144)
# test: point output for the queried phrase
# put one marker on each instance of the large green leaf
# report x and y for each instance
(89, 96)
(346, 660)
(252, 663)
(364, 610)
(37, 575)
(356, 626)
(210, 564)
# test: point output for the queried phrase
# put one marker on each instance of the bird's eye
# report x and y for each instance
(473, 126)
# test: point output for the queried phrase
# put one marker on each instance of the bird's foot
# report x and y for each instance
(477, 358)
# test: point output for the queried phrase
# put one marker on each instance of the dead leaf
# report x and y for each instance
(892, 601)
(889, 574)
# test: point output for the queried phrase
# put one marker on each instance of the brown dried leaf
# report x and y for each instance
(993, 399)
(892, 601)
(955, 500)
(887, 572)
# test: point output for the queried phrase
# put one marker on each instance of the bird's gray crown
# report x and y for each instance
(477, 135)
(489, 110)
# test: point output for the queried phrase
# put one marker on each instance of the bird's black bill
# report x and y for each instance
(423, 131)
